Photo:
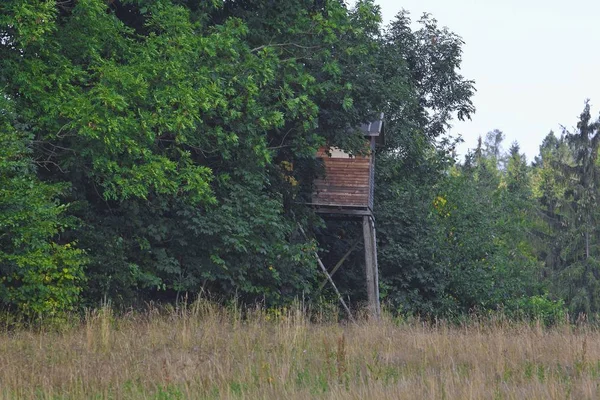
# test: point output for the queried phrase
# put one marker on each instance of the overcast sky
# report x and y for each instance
(534, 62)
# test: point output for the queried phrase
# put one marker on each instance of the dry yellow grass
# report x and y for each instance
(208, 353)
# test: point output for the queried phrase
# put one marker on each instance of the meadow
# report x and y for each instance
(208, 352)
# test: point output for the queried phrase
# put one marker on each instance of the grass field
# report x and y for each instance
(205, 352)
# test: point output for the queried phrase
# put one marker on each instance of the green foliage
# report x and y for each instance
(541, 307)
(39, 273)
(162, 124)
(567, 185)
(486, 247)
(456, 238)
(412, 166)
(408, 236)
(180, 136)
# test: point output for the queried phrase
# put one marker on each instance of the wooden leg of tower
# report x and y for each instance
(371, 270)
(375, 269)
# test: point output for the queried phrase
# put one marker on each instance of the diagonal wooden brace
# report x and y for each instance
(330, 280)
(339, 263)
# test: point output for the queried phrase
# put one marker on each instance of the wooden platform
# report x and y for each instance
(334, 210)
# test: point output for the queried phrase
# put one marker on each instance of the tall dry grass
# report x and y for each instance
(206, 352)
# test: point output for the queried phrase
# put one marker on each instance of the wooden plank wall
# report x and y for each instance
(346, 182)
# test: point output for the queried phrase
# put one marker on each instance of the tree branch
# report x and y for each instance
(283, 45)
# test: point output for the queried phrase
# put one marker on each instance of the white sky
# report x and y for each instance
(534, 62)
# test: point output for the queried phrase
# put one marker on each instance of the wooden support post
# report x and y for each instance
(376, 269)
(371, 270)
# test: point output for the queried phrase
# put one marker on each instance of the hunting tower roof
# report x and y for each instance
(375, 129)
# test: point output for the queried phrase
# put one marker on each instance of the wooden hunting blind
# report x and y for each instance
(346, 191)
(348, 183)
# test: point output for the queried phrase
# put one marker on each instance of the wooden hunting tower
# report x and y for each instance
(346, 191)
